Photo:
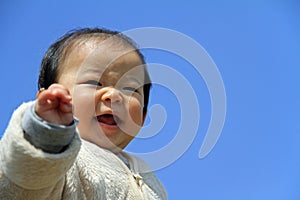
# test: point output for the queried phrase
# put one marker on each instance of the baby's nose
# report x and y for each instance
(111, 95)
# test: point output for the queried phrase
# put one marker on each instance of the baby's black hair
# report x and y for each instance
(55, 54)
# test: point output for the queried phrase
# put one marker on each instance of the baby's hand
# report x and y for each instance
(54, 105)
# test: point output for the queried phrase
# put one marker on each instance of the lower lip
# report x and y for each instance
(108, 127)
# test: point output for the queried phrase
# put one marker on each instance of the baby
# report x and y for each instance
(93, 83)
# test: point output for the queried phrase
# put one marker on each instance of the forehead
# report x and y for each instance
(90, 58)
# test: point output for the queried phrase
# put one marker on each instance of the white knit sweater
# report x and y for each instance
(82, 171)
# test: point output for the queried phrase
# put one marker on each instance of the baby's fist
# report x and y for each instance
(54, 105)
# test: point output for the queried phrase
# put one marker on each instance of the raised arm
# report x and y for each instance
(39, 146)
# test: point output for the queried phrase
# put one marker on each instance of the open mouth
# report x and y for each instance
(109, 119)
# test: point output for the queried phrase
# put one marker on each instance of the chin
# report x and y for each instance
(108, 142)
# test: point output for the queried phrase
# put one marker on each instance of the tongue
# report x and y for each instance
(107, 119)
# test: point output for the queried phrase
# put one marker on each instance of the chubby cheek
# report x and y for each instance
(83, 104)
(134, 119)
(83, 108)
(135, 111)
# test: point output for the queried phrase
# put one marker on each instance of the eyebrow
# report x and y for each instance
(92, 70)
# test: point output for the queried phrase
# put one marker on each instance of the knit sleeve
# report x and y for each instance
(51, 138)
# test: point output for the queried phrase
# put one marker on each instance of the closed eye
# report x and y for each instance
(130, 89)
(91, 82)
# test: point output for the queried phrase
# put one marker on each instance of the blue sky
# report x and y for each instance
(255, 45)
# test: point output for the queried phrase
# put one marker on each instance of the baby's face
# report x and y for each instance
(106, 85)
